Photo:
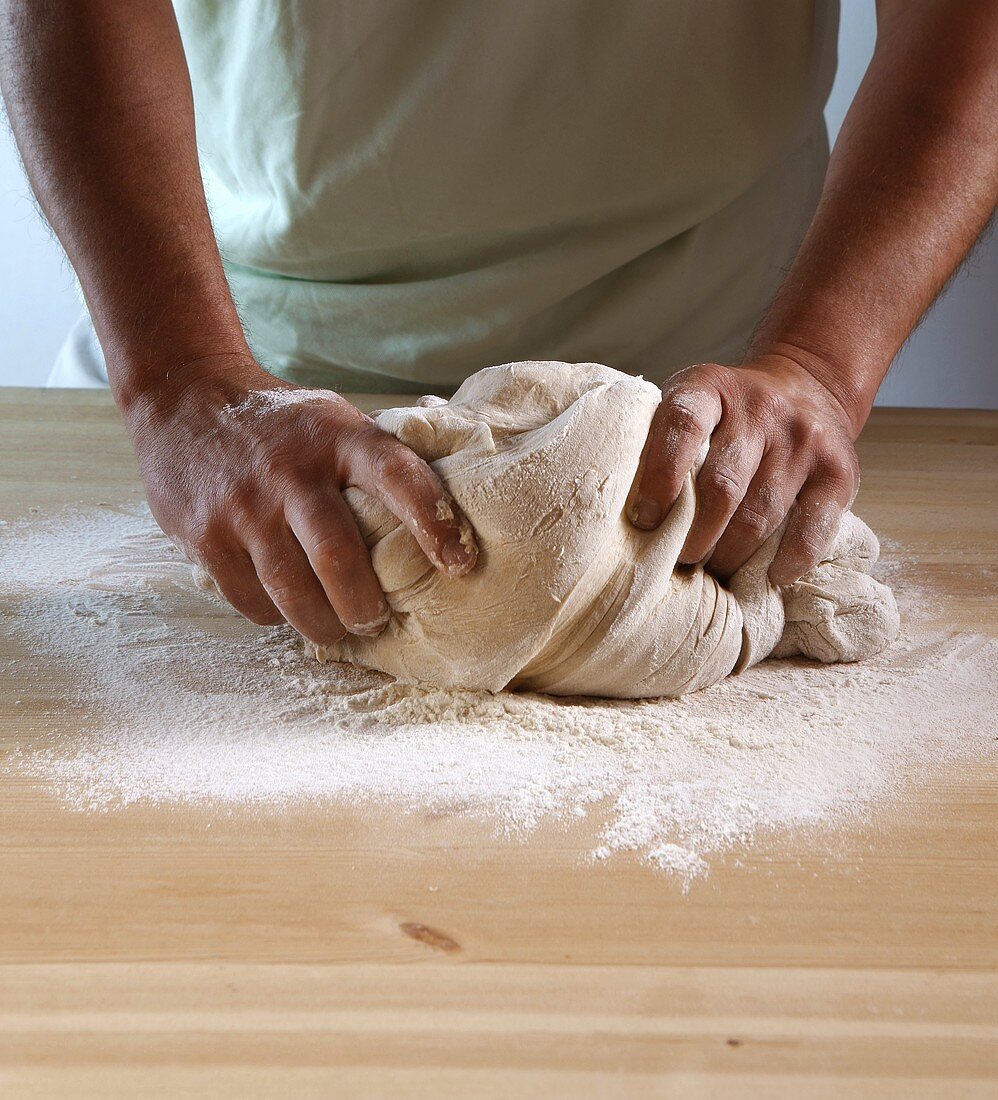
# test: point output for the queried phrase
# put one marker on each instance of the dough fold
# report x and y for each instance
(568, 597)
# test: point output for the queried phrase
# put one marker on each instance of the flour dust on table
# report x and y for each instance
(174, 700)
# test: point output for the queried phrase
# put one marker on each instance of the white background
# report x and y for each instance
(952, 360)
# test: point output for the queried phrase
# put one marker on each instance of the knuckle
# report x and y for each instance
(209, 540)
(394, 463)
(838, 473)
(766, 406)
(721, 484)
(242, 494)
(754, 519)
(243, 506)
(273, 465)
(683, 412)
(806, 434)
(701, 375)
(284, 586)
(332, 430)
(335, 548)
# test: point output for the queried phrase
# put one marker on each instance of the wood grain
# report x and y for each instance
(176, 952)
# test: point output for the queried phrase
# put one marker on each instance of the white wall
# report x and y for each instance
(37, 300)
(952, 360)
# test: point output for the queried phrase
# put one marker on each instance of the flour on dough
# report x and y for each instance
(568, 597)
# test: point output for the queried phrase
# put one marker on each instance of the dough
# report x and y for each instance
(568, 597)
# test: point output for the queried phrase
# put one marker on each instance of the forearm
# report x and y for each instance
(99, 99)
(912, 182)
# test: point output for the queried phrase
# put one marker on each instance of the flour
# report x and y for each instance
(261, 402)
(178, 707)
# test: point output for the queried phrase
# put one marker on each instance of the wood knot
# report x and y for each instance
(437, 941)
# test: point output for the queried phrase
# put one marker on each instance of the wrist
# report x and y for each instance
(217, 378)
(851, 388)
(151, 353)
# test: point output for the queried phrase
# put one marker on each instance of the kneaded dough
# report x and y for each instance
(568, 597)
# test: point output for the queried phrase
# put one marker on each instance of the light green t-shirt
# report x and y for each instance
(406, 191)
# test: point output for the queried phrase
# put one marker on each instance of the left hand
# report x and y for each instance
(781, 443)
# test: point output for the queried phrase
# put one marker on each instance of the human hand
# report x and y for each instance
(781, 443)
(245, 474)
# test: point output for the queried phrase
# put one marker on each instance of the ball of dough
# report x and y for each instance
(568, 597)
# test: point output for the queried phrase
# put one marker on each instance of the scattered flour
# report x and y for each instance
(179, 701)
(260, 402)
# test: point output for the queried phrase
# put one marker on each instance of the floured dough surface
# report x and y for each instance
(568, 597)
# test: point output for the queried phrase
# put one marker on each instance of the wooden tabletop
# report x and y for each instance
(343, 953)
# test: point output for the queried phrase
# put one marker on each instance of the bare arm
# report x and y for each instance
(99, 98)
(100, 103)
(913, 180)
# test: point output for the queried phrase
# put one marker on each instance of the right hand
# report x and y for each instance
(249, 486)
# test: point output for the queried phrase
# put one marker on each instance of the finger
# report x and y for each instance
(723, 480)
(327, 531)
(769, 498)
(813, 524)
(682, 424)
(285, 573)
(236, 579)
(382, 466)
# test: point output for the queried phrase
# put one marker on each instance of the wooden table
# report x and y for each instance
(334, 954)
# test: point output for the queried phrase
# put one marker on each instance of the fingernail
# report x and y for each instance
(459, 557)
(369, 630)
(373, 628)
(456, 559)
(646, 513)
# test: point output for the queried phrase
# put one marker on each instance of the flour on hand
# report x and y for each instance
(568, 597)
